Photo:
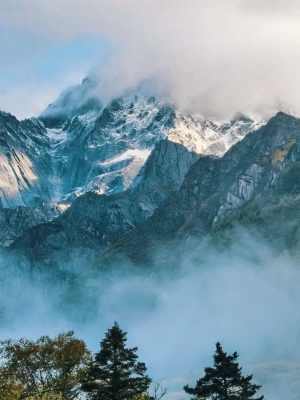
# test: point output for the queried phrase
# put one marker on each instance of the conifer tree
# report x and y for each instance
(115, 373)
(224, 381)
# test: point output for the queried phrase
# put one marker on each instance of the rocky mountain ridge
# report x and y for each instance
(94, 221)
(160, 210)
(15, 221)
(213, 188)
(24, 162)
(79, 145)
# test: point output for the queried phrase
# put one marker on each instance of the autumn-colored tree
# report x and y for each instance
(9, 389)
(45, 369)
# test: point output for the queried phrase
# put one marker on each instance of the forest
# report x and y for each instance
(63, 368)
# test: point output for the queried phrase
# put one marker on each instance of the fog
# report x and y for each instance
(242, 297)
(206, 56)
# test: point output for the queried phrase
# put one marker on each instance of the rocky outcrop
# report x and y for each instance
(79, 144)
(158, 209)
(93, 221)
(24, 162)
(15, 221)
(213, 188)
(271, 217)
(101, 147)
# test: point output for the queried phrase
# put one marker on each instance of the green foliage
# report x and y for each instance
(289, 181)
(243, 216)
(224, 381)
(115, 373)
(271, 216)
(62, 369)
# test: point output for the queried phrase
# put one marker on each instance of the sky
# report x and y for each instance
(209, 56)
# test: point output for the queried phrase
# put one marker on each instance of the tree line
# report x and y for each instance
(64, 368)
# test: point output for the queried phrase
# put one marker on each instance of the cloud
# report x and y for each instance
(29, 99)
(212, 56)
(289, 8)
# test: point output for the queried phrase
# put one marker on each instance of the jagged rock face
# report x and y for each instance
(80, 148)
(211, 189)
(15, 221)
(272, 216)
(215, 187)
(209, 136)
(80, 145)
(24, 162)
(103, 151)
(93, 221)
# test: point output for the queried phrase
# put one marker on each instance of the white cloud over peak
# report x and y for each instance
(213, 56)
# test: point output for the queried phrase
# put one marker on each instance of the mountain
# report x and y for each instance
(273, 216)
(213, 188)
(104, 204)
(177, 195)
(109, 165)
(24, 162)
(93, 221)
(79, 145)
(101, 148)
(15, 221)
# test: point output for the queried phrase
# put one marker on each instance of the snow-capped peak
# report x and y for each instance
(88, 145)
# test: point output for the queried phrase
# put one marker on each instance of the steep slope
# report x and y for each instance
(101, 147)
(212, 188)
(93, 221)
(273, 216)
(24, 162)
(157, 211)
(80, 145)
(15, 221)
(210, 136)
(110, 147)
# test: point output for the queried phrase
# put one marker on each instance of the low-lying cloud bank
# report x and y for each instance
(243, 298)
(213, 56)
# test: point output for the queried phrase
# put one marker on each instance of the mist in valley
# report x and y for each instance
(242, 297)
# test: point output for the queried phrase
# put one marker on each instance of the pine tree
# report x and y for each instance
(115, 373)
(224, 381)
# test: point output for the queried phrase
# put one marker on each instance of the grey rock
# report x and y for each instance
(93, 221)
(24, 162)
(80, 145)
(213, 188)
(15, 221)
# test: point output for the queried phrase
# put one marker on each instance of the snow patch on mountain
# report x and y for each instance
(80, 145)
(122, 170)
(210, 136)
(106, 148)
